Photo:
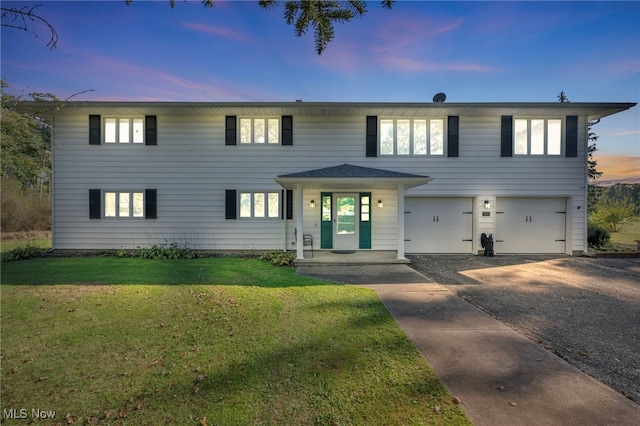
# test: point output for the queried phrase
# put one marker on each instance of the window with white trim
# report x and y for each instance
(123, 204)
(537, 136)
(420, 137)
(123, 130)
(260, 131)
(260, 205)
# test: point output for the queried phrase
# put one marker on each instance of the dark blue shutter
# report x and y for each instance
(506, 136)
(571, 139)
(230, 204)
(150, 204)
(453, 135)
(230, 130)
(287, 130)
(372, 136)
(95, 204)
(94, 130)
(150, 130)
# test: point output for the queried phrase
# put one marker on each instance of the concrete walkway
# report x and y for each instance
(500, 377)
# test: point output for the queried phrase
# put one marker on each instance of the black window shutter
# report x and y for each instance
(289, 204)
(571, 139)
(150, 204)
(372, 136)
(287, 130)
(94, 130)
(230, 130)
(453, 135)
(150, 130)
(230, 204)
(506, 136)
(94, 204)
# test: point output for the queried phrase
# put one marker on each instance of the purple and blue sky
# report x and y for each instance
(474, 51)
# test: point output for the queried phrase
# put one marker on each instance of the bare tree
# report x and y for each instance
(24, 19)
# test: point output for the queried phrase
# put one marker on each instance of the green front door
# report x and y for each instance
(345, 221)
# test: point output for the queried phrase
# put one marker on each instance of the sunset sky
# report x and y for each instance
(473, 51)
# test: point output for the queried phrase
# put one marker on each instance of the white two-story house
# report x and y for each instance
(402, 177)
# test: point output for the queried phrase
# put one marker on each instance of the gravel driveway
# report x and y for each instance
(585, 310)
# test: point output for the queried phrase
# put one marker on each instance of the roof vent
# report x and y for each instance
(298, 100)
(439, 98)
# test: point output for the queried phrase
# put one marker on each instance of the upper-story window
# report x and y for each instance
(124, 130)
(401, 136)
(259, 131)
(537, 136)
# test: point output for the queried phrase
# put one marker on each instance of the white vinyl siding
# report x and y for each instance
(192, 168)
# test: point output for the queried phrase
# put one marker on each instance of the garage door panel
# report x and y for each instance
(530, 225)
(438, 225)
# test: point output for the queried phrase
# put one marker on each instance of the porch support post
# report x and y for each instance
(299, 223)
(401, 222)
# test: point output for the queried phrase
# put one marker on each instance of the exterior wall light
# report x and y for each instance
(487, 204)
(312, 204)
(380, 205)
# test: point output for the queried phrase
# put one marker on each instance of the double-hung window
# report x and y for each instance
(123, 204)
(537, 136)
(260, 131)
(124, 130)
(420, 137)
(260, 205)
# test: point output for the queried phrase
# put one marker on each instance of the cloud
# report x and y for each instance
(409, 33)
(218, 31)
(397, 63)
(628, 133)
(618, 167)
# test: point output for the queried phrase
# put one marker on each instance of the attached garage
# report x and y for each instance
(530, 225)
(438, 225)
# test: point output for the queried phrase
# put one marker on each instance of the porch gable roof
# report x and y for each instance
(350, 176)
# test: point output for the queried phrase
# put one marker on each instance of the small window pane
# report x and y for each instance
(123, 130)
(245, 130)
(258, 131)
(245, 204)
(537, 137)
(420, 137)
(274, 204)
(520, 137)
(110, 130)
(258, 205)
(109, 204)
(123, 207)
(138, 204)
(365, 200)
(554, 137)
(138, 130)
(404, 137)
(386, 137)
(274, 130)
(436, 137)
(326, 208)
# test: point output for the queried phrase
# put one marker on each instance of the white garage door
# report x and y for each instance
(438, 225)
(530, 225)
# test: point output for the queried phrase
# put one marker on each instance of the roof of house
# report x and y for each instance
(350, 171)
(593, 110)
(348, 176)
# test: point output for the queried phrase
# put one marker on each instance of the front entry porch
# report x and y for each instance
(351, 257)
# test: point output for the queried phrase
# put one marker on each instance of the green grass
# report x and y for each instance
(207, 341)
(7, 245)
(628, 235)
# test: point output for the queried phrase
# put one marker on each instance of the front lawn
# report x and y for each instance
(205, 341)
